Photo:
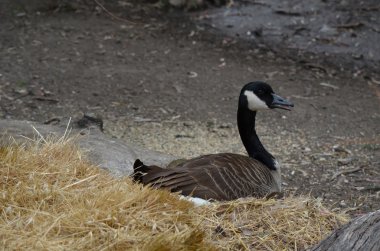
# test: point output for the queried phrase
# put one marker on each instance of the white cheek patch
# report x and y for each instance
(254, 103)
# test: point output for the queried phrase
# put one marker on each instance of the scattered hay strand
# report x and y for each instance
(293, 223)
(51, 198)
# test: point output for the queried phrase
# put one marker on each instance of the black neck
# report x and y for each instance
(246, 124)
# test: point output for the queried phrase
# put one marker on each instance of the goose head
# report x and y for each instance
(256, 96)
(259, 95)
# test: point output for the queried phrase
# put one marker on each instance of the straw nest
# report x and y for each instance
(53, 199)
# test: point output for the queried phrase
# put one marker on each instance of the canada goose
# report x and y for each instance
(226, 176)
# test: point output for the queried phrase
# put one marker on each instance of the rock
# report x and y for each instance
(111, 154)
(345, 161)
(90, 119)
(341, 149)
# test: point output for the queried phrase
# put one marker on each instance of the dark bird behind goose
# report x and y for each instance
(227, 176)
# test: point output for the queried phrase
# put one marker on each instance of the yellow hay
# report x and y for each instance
(51, 198)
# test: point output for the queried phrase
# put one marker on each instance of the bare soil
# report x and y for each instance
(166, 83)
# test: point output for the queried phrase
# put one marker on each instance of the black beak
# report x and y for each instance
(281, 103)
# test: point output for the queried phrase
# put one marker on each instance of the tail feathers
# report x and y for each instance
(143, 173)
(139, 169)
(137, 164)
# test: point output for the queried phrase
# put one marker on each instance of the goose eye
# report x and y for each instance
(260, 92)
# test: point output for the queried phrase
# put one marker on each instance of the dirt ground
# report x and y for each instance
(166, 83)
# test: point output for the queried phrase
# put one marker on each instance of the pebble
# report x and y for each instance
(338, 148)
(345, 161)
(307, 149)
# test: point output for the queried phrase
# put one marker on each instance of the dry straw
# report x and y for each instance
(52, 199)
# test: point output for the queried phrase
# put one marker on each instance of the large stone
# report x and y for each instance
(112, 154)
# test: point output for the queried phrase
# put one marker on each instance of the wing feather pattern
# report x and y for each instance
(224, 176)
